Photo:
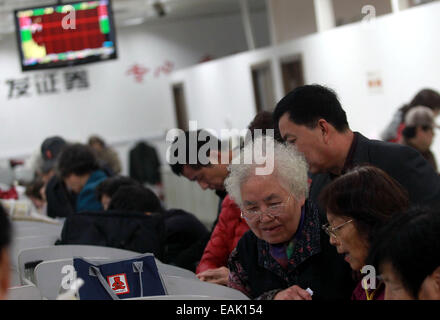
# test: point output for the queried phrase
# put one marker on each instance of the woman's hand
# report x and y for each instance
(293, 293)
(217, 276)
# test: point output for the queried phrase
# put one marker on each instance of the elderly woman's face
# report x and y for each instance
(259, 193)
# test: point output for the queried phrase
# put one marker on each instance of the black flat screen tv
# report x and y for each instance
(67, 34)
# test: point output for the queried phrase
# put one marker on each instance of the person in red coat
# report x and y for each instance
(228, 231)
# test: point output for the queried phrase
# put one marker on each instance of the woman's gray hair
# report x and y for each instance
(289, 166)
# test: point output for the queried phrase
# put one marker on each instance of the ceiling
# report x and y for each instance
(131, 12)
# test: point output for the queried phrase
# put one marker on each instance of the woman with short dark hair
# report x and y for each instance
(407, 254)
(78, 167)
(358, 203)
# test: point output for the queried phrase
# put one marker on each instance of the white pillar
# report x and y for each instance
(399, 5)
(271, 23)
(325, 16)
(247, 24)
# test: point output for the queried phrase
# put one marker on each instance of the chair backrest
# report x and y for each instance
(6, 176)
(184, 286)
(49, 274)
(27, 292)
(22, 243)
(37, 231)
(68, 251)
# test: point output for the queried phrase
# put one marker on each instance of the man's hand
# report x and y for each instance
(217, 276)
(293, 293)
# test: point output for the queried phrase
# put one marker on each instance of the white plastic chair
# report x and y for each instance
(37, 231)
(6, 175)
(22, 243)
(27, 292)
(45, 253)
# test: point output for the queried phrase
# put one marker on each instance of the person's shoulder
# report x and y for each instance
(384, 149)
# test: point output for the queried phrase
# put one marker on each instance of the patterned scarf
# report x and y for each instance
(283, 252)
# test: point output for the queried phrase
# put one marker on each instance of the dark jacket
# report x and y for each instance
(315, 264)
(403, 163)
(144, 164)
(60, 202)
(124, 230)
(183, 232)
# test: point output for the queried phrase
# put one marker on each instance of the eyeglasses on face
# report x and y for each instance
(272, 211)
(331, 231)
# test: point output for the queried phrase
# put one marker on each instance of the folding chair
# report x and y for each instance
(33, 256)
(27, 292)
(37, 231)
(22, 243)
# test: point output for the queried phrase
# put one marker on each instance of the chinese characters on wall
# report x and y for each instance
(47, 83)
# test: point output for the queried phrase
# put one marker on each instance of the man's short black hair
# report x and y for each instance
(307, 104)
(177, 167)
(410, 242)
(110, 185)
(77, 159)
(135, 198)
(5, 229)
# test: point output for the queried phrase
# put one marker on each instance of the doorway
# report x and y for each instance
(180, 106)
(292, 73)
(263, 87)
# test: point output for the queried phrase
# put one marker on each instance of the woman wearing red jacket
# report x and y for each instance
(224, 238)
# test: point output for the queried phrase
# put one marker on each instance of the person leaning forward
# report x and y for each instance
(312, 119)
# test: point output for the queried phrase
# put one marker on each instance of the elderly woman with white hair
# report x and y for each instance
(285, 255)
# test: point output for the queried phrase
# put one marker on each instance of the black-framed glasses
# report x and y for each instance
(331, 231)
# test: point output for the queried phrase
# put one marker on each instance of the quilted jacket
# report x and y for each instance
(224, 238)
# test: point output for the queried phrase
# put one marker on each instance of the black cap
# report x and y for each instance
(50, 149)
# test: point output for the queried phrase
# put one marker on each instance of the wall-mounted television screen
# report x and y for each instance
(64, 35)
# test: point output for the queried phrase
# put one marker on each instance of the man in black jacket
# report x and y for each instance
(311, 118)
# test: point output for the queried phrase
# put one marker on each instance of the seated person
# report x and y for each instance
(107, 188)
(35, 193)
(60, 201)
(285, 252)
(5, 241)
(406, 252)
(182, 229)
(358, 203)
(78, 168)
(419, 132)
(107, 157)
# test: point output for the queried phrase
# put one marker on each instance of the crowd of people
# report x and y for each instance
(334, 203)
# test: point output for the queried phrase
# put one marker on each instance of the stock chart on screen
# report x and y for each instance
(67, 34)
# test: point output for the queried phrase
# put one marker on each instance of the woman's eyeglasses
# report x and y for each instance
(272, 211)
(331, 231)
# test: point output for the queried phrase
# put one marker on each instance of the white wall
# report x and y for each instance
(115, 106)
(400, 48)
